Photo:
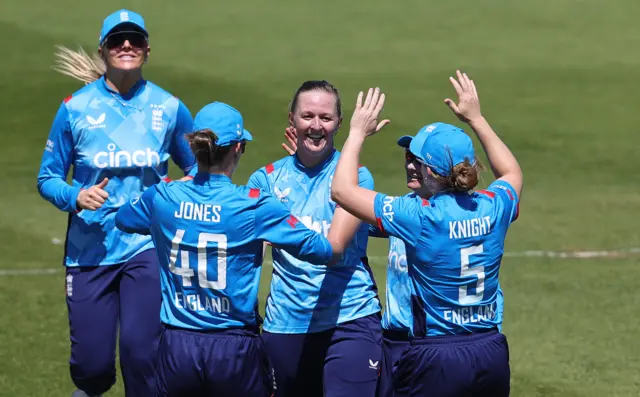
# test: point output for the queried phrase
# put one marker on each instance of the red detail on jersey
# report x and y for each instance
(269, 168)
(67, 99)
(517, 212)
(510, 194)
(254, 193)
(292, 221)
(166, 179)
(426, 203)
(379, 223)
(488, 193)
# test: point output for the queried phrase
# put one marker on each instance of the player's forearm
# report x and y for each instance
(501, 160)
(345, 179)
(59, 193)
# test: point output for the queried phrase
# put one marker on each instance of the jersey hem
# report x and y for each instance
(145, 247)
(317, 328)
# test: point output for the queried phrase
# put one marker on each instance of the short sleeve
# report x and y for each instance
(508, 203)
(399, 216)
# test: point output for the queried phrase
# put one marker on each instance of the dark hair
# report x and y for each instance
(316, 85)
(462, 177)
(203, 145)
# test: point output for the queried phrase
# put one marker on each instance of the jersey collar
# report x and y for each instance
(202, 178)
(318, 167)
(134, 91)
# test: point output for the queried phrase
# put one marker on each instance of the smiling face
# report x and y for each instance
(316, 120)
(125, 51)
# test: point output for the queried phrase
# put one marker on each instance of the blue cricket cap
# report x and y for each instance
(225, 121)
(441, 146)
(406, 140)
(122, 21)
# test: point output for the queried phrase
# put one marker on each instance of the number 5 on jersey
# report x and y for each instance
(466, 271)
(187, 273)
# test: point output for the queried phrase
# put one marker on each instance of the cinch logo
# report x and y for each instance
(123, 158)
(387, 208)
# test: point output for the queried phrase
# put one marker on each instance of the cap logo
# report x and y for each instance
(429, 156)
(238, 131)
(124, 16)
(430, 128)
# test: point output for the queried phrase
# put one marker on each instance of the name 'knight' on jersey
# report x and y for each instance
(454, 244)
(127, 139)
(306, 298)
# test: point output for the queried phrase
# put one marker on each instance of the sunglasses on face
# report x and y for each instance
(117, 40)
(410, 157)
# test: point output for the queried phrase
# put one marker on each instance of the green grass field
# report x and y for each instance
(556, 79)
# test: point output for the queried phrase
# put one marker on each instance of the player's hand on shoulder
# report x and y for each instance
(93, 197)
(364, 121)
(468, 107)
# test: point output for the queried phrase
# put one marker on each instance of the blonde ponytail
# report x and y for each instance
(78, 64)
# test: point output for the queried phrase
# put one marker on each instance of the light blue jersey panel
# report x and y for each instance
(305, 298)
(454, 244)
(126, 139)
(209, 235)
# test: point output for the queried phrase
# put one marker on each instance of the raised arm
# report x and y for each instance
(503, 163)
(345, 190)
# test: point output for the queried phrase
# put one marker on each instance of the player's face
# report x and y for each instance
(412, 169)
(430, 184)
(316, 121)
(125, 51)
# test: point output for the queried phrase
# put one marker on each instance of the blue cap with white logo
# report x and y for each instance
(225, 121)
(406, 140)
(123, 20)
(441, 146)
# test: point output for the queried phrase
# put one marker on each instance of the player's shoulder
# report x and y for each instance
(162, 97)
(81, 98)
(277, 166)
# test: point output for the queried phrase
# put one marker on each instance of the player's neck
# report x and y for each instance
(216, 171)
(311, 160)
(122, 82)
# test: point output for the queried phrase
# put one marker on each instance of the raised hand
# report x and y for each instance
(364, 121)
(291, 135)
(468, 107)
(94, 197)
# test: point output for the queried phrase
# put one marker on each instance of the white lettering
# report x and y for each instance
(123, 158)
(469, 227)
(317, 226)
(387, 208)
(198, 212)
(195, 303)
(470, 314)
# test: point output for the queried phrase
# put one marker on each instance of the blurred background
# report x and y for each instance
(557, 80)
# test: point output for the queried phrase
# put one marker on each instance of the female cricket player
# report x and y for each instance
(209, 234)
(118, 133)
(322, 324)
(454, 242)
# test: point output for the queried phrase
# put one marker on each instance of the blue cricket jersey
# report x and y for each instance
(454, 246)
(306, 298)
(397, 311)
(209, 235)
(127, 139)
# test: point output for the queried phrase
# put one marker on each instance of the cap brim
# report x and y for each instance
(125, 27)
(405, 141)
